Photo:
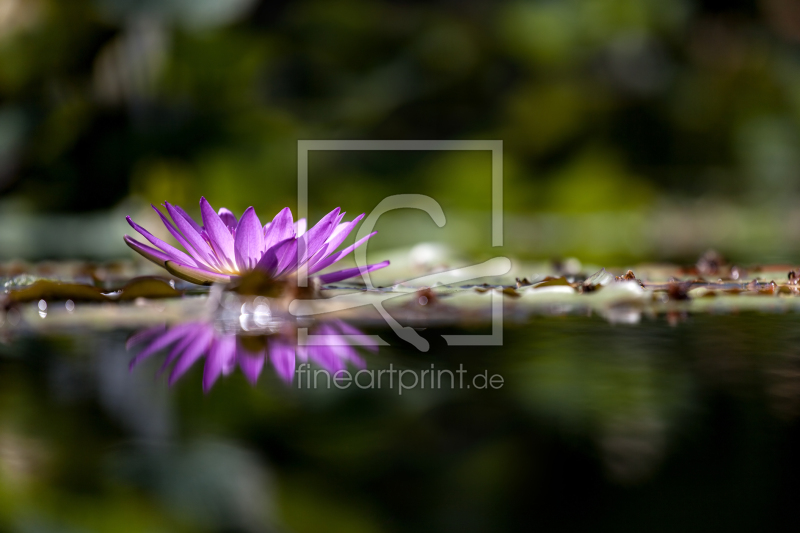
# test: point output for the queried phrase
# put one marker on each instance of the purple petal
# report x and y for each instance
(170, 250)
(228, 218)
(249, 245)
(180, 238)
(222, 352)
(197, 227)
(281, 355)
(340, 233)
(347, 354)
(324, 356)
(331, 259)
(193, 352)
(300, 227)
(359, 337)
(230, 365)
(201, 276)
(250, 363)
(339, 347)
(143, 335)
(179, 348)
(338, 221)
(163, 341)
(193, 237)
(322, 352)
(280, 229)
(151, 254)
(271, 259)
(218, 232)
(301, 353)
(311, 260)
(311, 242)
(339, 275)
(287, 257)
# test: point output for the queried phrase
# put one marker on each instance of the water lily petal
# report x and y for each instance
(339, 275)
(301, 353)
(180, 347)
(280, 229)
(218, 232)
(340, 233)
(197, 227)
(193, 352)
(357, 336)
(170, 250)
(229, 365)
(228, 217)
(331, 259)
(156, 256)
(338, 351)
(281, 355)
(287, 257)
(161, 342)
(324, 356)
(181, 239)
(146, 334)
(300, 227)
(271, 259)
(195, 275)
(193, 237)
(310, 243)
(249, 244)
(339, 219)
(222, 351)
(250, 363)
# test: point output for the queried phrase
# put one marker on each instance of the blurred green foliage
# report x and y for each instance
(604, 106)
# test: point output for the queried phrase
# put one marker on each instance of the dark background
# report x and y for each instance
(639, 129)
(608, 428)
(633, 130)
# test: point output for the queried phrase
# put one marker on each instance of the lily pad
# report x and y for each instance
(56, 290)
(148, 287)
(553, 282)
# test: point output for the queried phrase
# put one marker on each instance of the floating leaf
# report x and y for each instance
(510, 291)
(148, 287)
(56, 290)
(552, 282)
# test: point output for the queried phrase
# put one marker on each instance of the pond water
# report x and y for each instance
(572, 423)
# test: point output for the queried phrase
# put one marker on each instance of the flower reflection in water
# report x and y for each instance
(250, 336)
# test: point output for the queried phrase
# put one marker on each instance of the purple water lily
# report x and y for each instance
(224, 247)
(192, 341)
